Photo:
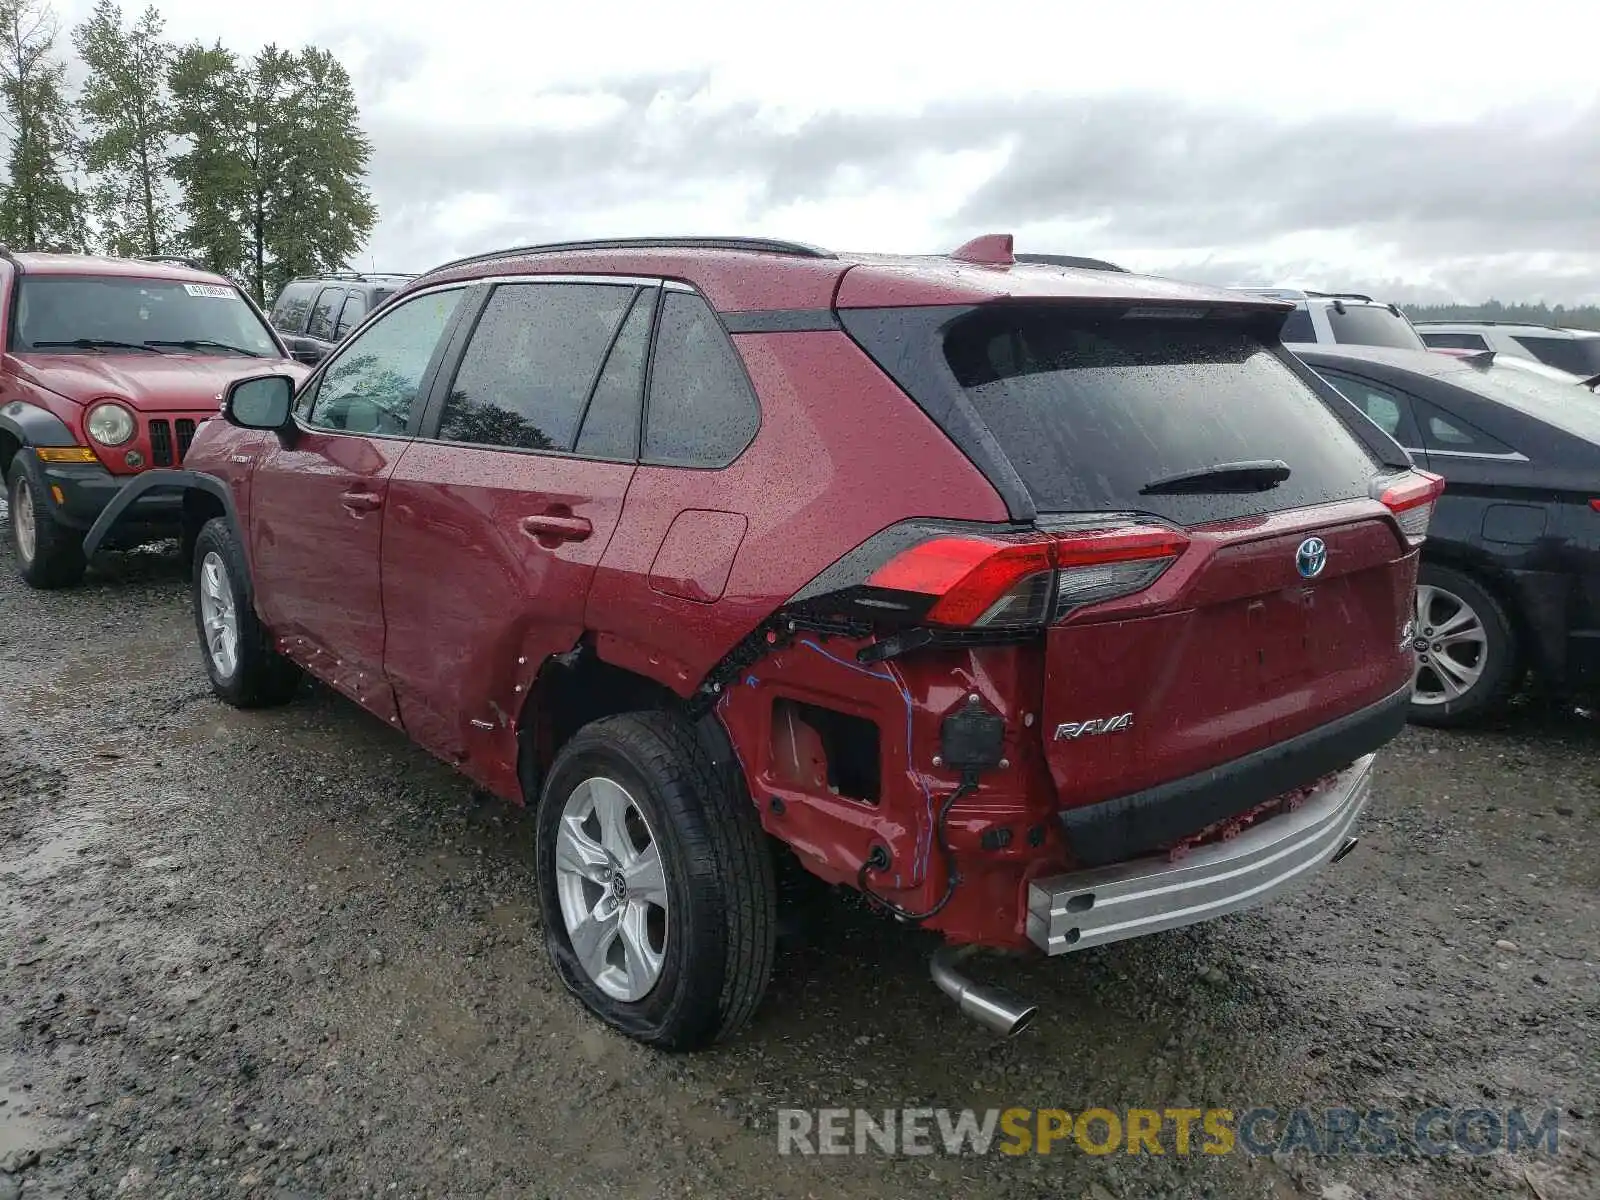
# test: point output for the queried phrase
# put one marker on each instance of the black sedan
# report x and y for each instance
(1510, 578)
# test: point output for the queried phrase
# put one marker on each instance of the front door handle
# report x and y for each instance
(561, 527)
(361, 501)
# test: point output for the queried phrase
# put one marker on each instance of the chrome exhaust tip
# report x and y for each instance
(994, 1008)
(1349, 845)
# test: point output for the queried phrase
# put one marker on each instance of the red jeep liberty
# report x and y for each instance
(110, 365)
(1046, 606)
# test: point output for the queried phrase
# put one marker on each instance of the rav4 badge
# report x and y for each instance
(1077, 729)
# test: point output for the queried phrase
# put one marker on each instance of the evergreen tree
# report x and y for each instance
(274, 164)
(40, 207)
(127, 112)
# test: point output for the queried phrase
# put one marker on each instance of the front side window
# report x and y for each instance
(355, 307)
(701, 410)
(371, 386)
(532, 362)
(111, 314)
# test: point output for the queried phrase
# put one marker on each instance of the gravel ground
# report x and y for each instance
(287, 955)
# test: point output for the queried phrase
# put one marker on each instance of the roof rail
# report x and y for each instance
(192, 263)
(1071, 260)
(1517, 324)
(751, 245)
(1342, 296)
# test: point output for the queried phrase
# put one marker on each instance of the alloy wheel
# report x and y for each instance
(218, 616)
(1452, 647)
(22, 520)
(612, 888)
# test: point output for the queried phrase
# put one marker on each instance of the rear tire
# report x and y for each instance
(243, 667)
(655, 882)
(1468, 659)
(49, 555)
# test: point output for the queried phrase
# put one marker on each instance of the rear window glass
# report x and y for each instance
(1091, 412)
(1372, 325)
(1568, 406)
(1581, 356)
(1455, 341)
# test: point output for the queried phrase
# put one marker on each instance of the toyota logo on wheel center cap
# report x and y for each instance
(1311, 557)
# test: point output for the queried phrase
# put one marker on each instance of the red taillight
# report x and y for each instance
(1004, 582)
(1595, 504)
(1410, 497)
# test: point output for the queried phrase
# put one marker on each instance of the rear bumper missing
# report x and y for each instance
(1112, 903)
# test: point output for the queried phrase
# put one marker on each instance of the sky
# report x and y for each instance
(1405, 147)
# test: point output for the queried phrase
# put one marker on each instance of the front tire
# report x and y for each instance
(49, 555)
(1468, 659)
(244, 668)
(656, 883)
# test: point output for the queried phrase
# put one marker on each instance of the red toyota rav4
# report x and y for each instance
(110, 365)
(1045, 606)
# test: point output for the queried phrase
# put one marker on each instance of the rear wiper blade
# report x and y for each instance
(203, 344)
(1258, 475)
(97, 344)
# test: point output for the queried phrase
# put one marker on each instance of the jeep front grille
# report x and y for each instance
(160, 444)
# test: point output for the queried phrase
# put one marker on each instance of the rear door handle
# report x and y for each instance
(361, 501)
(561, 526)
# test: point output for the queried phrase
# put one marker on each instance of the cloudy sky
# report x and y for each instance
(1403, 145)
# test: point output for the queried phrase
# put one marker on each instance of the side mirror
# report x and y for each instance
(310, 355)
(263, 402)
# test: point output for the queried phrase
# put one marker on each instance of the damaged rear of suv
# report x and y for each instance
(1045, 606)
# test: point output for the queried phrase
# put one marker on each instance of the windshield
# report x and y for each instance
(1372, 325)
(1093, 412)
(54, 312)
(1567, 406)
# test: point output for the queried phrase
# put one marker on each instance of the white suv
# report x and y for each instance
(1340, 318)
(1576, 351)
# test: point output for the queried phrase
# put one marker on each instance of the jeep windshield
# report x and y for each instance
(112, 314)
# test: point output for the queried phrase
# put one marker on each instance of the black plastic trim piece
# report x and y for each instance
(781, 320)
(35, 426)
(1131, 826)
(151, 481)
(1071, 260)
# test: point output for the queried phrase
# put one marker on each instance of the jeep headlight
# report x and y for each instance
(110, 424)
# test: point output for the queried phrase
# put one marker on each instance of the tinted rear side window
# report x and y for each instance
(611, 426)
(531, 363)
(1297, 327)
(702, 412)
(1581, 356)
(322, 316)
(1372, 325)
(1090, 411)
(293, 303)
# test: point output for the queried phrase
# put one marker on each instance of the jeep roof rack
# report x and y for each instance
(193, 264)
(1071, 260)
(750, 245)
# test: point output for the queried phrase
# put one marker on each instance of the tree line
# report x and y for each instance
(254, 165)
(1582, 316)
